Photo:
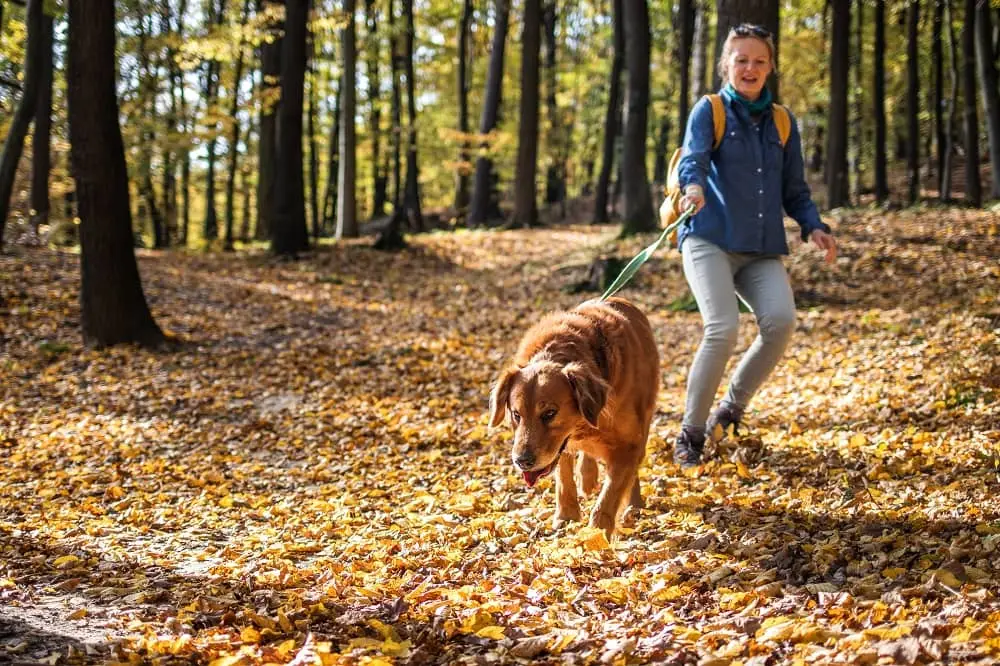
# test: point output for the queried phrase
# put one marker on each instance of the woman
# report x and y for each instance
(732, 245)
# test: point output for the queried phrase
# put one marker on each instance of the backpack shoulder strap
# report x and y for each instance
(783, 122)
(718, 118)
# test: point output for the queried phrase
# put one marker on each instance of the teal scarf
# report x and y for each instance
(754, 107)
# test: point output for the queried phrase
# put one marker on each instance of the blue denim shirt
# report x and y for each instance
(747, 181)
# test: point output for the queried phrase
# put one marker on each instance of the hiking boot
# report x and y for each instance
(724, 415)
(688, 449)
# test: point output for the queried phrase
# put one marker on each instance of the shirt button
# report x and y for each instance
(758, 169)
(760, 191)
(760, 214)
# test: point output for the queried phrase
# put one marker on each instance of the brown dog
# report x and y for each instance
(582, 381)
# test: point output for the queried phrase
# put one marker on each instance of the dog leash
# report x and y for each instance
(638, 260)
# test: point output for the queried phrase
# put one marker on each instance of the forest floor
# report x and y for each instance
(308, 478)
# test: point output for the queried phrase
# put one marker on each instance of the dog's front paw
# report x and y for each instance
(564, 516)
(603, 521)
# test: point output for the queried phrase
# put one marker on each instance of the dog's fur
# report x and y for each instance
(582, 381)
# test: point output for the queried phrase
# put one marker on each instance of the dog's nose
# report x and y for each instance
(525, 460)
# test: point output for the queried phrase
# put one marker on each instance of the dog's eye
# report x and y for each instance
(516, 417)
(548, 415)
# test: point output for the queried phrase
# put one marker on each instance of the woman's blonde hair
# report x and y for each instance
(743, 31)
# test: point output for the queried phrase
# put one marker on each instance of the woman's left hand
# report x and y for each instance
(825, 241)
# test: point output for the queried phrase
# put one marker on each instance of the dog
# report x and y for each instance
(582, 382)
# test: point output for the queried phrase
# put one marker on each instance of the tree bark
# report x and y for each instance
(988, 79)
(662, 151)
(113, 305)
(347, 221)
(313, 148)
(555, 180)
(169, 167)
(685, 17)
(525, 206)
(210, 227)
(949, 150)
(375, 124)
(638, 200)
(485, 204)
(836, 150)
(973, 188)
(267, 148)
(462, 172)
(333, 163)
(147, 100)
(289, 234)
(730, 13)
(878, 102)
(611, 116)
(699, 53)
(41, 160)
(234, 140)
(411, 198)
(937, 63)
(14, 144)
(913, 101)
(857, 116)
(396, 112)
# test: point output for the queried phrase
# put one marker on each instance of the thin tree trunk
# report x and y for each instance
(937, 92)
(234, 140)
(857, 120)
(289, 234)
(313, 148)
(913, 101)
(397, 113)
(555, 180)
(332, 164)
(14, 145)
(147, 95)
(878, 101)
(170, 134)
(973, 188)
(662, 149)
(267, 141)
(347, 221)
(485, 205)
(685, 17)
(375, 129)
(462, 171)
(988, 79)
(949, 148)
(837, 181)
(638, 200)
(210, 227)
(611, 116)
(525, 192)
(41, 161)
(113, 305)
(411, 199)
(699, 52)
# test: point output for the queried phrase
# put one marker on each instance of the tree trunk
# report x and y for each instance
(685, 17)
(113, 305)
(169, 167)
(857, 119)
(662, 152)
(14, 145)
(234, 140)
(836, 148)
(313, 148)
(289, 234)
(988, 79)
(611, 116)
(878, 102)
(333, 163)
(485, 205)
(973, 188)
(347, 221)
(210, 227)
(525, 206)
(462, 172)
(555, 181)
(730, 13)
(41, 161)
(913, 101)
(949, 149)
(147, 100)
(397, 112)
(372, 43)
(937, 92)
(267, 141)
(638, 200)
(411, 199)
(699, 53)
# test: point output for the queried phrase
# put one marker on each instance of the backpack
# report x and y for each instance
(670, 210)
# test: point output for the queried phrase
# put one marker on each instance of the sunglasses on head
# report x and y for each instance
(751, 30)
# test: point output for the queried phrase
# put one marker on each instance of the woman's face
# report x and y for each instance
(749, 65)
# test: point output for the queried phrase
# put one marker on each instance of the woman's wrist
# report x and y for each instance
(694, 189)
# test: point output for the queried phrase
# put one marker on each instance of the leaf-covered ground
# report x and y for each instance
(309, 478)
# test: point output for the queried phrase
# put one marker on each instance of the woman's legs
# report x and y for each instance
(709, 273)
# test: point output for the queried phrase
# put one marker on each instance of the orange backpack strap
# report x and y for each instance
(783, 121)
(718, 118)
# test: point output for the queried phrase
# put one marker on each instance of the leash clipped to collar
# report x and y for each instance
(633, 266)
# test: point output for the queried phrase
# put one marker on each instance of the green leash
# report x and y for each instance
(633, 266)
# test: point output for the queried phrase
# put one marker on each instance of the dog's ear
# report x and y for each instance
(501, 394)
(589, 390)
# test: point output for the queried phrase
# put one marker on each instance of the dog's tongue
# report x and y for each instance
(531, 478)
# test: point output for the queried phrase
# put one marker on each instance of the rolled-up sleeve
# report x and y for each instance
(697, 149)
(795, 195)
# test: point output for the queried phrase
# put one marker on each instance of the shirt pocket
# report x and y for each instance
(774, 153)
(735, 151)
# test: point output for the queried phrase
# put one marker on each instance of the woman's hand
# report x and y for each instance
(693, 196)
(824, 241)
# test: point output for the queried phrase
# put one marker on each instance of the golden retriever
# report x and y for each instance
(582, 381)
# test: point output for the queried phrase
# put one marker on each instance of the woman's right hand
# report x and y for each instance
(693, 196)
